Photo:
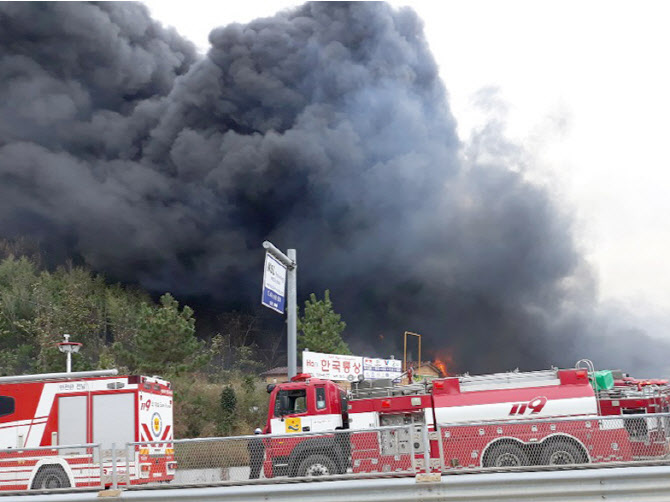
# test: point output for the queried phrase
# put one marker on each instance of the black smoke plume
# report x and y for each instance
(325, 128)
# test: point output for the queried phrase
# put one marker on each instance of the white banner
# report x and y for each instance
(274, 284)
(332, 366)
(376, 369)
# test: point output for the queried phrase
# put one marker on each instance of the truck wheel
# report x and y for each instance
(317, 465)
(51, 477)
(561, 453)
(506, 455)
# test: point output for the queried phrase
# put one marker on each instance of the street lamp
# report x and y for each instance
(69, 348)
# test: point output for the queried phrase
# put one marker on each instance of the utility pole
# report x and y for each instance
(289, 261)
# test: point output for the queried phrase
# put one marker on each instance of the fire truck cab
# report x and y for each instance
(307, 405)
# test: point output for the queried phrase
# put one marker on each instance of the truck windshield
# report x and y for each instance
(289, 402)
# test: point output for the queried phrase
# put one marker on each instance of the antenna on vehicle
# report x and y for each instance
(69, 348)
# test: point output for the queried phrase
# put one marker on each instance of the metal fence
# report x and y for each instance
(402, 450)
(554, 442)
(390, 450)
(627, 484)
(51, 467)
(408, 449)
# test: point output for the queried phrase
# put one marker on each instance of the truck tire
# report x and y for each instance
(506, 455)
(561, 452)
(317, 465)
(50, 477)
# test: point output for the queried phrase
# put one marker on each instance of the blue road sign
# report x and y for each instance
(274, 284)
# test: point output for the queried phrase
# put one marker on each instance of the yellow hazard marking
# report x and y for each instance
(292, 424)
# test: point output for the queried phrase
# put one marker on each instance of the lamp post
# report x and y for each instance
(69, 348)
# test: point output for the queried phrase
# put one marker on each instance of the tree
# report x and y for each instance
(321, 327)
(38, 306)
(228, 402)
(234, 346)
(18, 346)
(165, 343)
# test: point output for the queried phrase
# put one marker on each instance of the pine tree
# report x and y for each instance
(166, 343)
(228, 403)
(321, 327)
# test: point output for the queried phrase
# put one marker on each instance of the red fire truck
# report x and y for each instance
(557, 416)
(40, 414)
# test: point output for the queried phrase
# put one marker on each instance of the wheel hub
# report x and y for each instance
(52, 482)
(317, 470)
(508, 460)
(561, 457)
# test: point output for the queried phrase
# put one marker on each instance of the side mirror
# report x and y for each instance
(270, 388)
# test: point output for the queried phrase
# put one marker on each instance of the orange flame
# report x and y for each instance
(443, 364)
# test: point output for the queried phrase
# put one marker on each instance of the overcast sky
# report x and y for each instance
(582, 86)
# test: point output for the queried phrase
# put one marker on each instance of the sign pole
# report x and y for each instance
(292, 316)
(291, 303)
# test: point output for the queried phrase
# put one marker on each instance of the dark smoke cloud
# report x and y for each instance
(325, 128)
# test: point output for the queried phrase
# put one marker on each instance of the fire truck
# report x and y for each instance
(556, 416)
(49, 424)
